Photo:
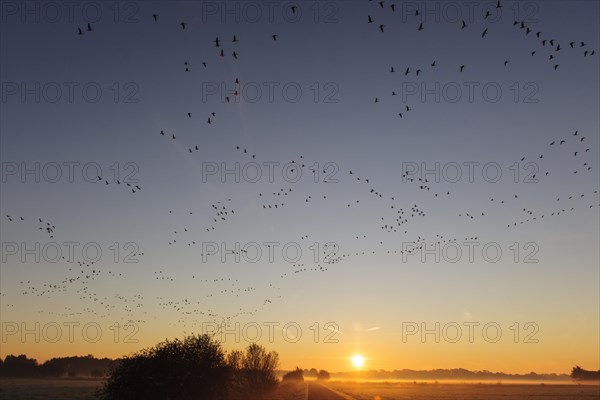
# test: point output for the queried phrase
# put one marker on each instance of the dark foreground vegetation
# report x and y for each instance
(194, 368)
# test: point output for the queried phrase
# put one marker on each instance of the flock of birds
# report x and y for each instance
(552, 46)
(83, 281)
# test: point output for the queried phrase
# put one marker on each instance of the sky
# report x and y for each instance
(436, 184)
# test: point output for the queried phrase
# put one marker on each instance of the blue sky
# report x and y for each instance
(326, 70)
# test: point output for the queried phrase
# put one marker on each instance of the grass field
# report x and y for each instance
(48, 389)
(464, 391)
(80, 389)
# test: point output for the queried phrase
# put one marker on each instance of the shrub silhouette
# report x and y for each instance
(323, 375)
(295, 375)
(253, 372)
(194, 368)
(580, 374)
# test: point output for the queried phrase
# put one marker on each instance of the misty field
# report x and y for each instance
(463, 391)
(48, 389)
(81, 389)
(84, 389)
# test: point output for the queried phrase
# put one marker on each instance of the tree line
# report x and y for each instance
(78, 366)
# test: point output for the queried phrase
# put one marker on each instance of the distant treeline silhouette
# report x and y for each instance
(437, 374)
(580, 374)
(89, 366)
(77, 366)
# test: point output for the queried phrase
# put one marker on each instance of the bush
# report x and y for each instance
(253, 372)
(296, 375)
(580, 374)
(323, 375)
(194, 368)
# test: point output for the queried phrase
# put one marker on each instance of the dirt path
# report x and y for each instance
(318, 392)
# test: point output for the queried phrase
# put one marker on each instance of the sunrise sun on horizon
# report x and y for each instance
(358, 360)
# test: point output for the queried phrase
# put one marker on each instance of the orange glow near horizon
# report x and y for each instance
(358, 361)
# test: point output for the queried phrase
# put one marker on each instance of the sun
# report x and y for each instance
(358, 360)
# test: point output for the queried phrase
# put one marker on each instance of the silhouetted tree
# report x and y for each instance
(19, 366)
(54, 367)
(173, 370)
(295, 375)
(580, 374)
(253, 371)
(323, 375)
